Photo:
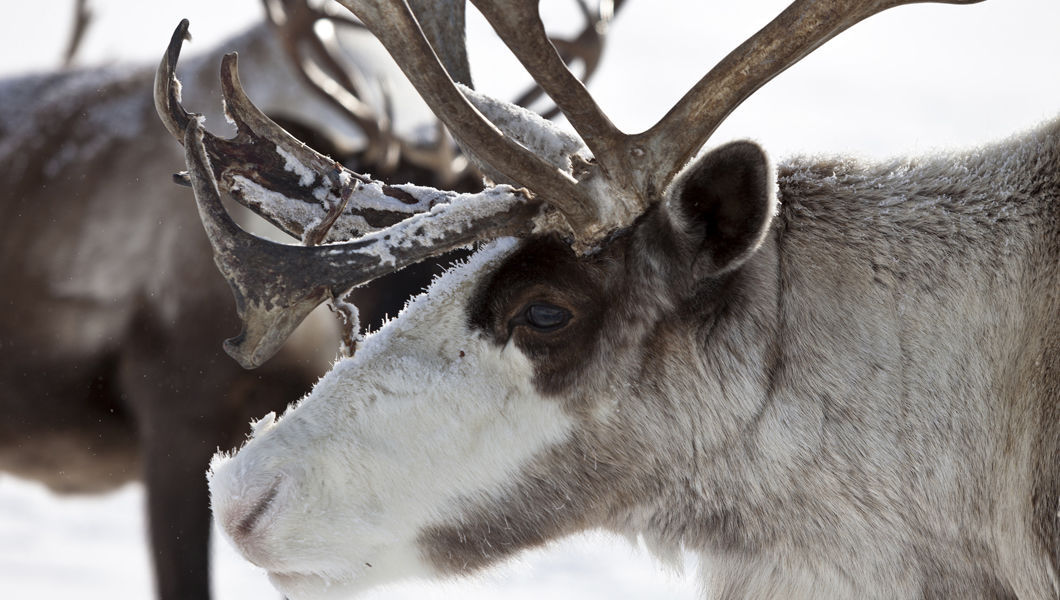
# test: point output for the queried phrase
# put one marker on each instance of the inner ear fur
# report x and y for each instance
(724, 202)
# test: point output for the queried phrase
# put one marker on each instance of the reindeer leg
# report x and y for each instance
(179, 511)
(176, 390)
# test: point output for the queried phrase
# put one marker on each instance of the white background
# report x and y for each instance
(912, 80)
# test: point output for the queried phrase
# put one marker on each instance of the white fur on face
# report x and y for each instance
(426, 419)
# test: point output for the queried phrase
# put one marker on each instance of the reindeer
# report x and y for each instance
(829, 379)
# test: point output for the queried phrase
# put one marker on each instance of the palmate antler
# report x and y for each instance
(306, 182)
(276, 285)
(583, 200)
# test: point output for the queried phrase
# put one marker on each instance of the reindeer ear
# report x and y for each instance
(725, 202)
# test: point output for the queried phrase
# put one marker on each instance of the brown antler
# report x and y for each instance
(276, 285)
(647, 162)
(631, 171)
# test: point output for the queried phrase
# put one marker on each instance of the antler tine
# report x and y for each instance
(587, 47)
(276, 286)
(398, 29)
(443, 25)
(338, 85)
(519, 24)
(167, 88)
(801, 28)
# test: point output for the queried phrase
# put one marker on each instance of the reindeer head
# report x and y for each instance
(566, 377)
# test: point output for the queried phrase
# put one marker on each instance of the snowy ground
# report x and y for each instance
(94, 548)
(909, 81)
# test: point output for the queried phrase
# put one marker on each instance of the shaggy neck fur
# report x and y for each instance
(901, 399)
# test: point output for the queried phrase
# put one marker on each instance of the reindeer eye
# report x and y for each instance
(546, 317)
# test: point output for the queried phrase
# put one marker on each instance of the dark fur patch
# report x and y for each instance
(545, 269)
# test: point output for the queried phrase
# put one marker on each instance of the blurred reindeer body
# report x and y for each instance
(109, 362)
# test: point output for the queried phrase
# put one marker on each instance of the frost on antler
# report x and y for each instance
(276, 286)
(530, 129)
(373, 206)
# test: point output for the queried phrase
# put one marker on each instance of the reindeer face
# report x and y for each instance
(513, 403)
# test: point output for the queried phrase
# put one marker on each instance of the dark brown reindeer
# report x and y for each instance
(853, 392)
(108, 359)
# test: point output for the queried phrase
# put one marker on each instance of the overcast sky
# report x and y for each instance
(909, 80)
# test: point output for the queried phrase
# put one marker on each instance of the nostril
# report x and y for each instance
(247, 524)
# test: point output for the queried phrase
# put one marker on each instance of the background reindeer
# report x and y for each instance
(106, 372)
(778, 83)
(854, 406)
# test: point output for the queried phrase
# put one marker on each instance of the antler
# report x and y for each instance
(663, 150)
(276, 285)
(264, 167)
(634, 169)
